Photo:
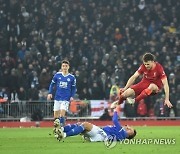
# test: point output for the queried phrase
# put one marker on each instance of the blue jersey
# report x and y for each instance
(65, 86)
(116, 130)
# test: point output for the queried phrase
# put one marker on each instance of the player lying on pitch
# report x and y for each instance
(153, 79)
(94, 133)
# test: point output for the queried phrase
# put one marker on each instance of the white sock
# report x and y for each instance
(64, 135)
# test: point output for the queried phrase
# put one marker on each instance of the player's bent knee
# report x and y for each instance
(128, 93)
(153, 87)
(88, 126)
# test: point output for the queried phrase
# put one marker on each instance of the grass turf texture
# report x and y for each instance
(39, 141)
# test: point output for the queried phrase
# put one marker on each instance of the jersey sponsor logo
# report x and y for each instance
(63, 84)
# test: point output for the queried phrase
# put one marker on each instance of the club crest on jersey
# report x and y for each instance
(68, 79)
(154, 74)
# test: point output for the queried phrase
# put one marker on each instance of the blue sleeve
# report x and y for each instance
(52, 85)
(73, 88)
(115, 121)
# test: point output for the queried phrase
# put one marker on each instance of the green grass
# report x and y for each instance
(38, 141)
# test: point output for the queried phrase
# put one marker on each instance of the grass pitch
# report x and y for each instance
(39, 141)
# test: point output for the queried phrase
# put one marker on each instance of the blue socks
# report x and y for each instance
(68, 127)
(62, 121)
(75, 131)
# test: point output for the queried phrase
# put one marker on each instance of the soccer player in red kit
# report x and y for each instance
(154, 78)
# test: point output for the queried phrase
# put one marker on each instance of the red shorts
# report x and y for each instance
(139, 87)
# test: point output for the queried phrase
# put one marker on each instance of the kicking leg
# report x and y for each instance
(128, 93)
(75, 131)
(125, 95)
(68, 127)
(85, 126)
(152, 88)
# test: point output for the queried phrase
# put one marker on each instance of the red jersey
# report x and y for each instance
(154, 75)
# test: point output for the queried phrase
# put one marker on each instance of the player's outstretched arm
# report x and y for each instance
(166, 90)
(131, 80)
(115, 120)
(49, 96)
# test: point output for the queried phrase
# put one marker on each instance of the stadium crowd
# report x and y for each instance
(103, 40)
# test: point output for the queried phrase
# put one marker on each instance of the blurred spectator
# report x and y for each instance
(13, 85)
(142, 108)
(8, 62)
(103, 85)
(43, 94)
(44, 79)
(22, 96)
(33, 93)
(105, 115)
(22, 52)
(114, 92)
(85, 94)
(95, 92)
(3, 99)
(159, 107)
(3, 95)
(129, 110)
(117, 35)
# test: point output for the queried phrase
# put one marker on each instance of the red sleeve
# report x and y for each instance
(141, 69)
(161, 72)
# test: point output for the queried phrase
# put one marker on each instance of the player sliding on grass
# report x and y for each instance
(94, 133)
(153, 79)
(65, 91)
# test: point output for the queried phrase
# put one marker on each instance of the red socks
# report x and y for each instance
(121, 99)
(146, 92)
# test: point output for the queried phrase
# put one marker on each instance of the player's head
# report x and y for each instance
(148, 60)
(130, 131)
(148, 57)
(65, 65)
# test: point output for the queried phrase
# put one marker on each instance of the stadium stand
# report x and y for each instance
(103, 40)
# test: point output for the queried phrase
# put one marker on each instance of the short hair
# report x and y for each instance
(148, 57)
(133, 135)
(65, 62)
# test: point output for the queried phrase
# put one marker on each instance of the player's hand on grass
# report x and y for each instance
(168, 103)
